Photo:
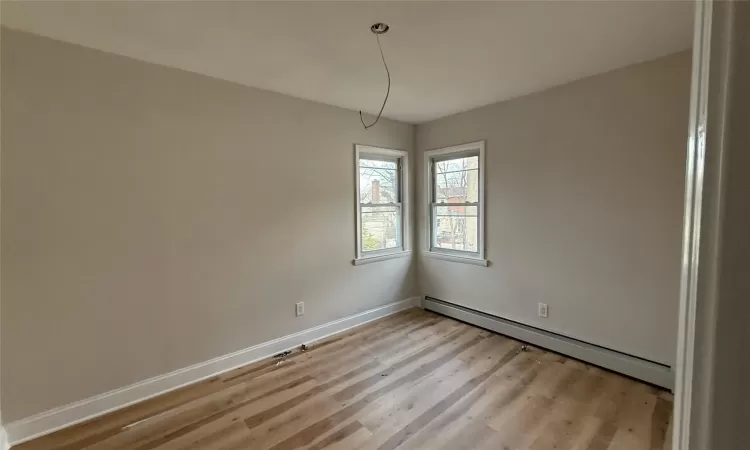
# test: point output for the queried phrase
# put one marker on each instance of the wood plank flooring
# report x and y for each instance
(414, 380)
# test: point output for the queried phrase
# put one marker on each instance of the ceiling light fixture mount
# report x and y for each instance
(379, 28)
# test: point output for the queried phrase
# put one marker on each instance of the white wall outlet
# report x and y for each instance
(300, 309)
(543, 310)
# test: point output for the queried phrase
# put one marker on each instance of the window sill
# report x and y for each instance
(458, 259)
(372, 259)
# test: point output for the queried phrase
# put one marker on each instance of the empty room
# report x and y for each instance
(344, 225)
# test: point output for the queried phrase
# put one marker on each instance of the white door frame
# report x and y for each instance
(701, 235)
(694, 181)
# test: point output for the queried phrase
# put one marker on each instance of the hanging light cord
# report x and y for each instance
(387, 93)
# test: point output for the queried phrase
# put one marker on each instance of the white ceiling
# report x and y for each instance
(445, 57)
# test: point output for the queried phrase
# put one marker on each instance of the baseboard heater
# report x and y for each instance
(632, 366)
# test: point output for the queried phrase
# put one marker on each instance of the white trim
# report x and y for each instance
(693, 270)
(4, 440)
(629, 365)
(383, 257)
(370, 150)
(457, 150)
(461, 148)
(456, 258)
(55, 419)
(405, 198)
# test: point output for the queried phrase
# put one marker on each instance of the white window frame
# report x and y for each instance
(365, 151)
(430, 158)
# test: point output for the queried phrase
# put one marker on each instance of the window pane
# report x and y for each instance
(378, 181)
(457, 180)
(381, 227)
(378, 164)
(456, 228)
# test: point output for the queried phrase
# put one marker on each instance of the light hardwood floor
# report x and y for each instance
(412, 380)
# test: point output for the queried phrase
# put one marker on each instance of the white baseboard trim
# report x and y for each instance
(631, 366)
(55, 419)
(3, 440)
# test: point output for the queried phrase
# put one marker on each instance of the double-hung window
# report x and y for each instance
(455, 188)
(382, 216)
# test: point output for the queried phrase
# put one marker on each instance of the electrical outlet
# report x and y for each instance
(543, 310)
(301, 309)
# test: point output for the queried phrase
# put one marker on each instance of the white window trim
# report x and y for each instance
(477, 258)
(381, 257)
(405, 249)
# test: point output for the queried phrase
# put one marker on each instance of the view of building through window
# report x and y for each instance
(379, 196)
(455, 211)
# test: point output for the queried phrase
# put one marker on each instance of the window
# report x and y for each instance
(455, 188)
(382, 216)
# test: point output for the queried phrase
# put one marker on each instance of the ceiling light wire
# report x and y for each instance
(387, 93)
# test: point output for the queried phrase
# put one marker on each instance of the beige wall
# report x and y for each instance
(584, 207)
(154, 218)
